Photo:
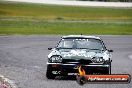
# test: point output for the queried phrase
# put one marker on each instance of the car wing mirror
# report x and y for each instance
(49, 48)
(110, 50)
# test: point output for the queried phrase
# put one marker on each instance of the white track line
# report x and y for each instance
(79, 3)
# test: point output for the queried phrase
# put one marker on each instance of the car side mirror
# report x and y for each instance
(110, 50)
(49, 48)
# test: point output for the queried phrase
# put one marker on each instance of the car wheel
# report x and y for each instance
(107, 70)
(81, 80)
(49, 74)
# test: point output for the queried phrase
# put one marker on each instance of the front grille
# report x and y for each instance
(74, 61)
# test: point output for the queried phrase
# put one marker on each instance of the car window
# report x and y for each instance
(81, 43)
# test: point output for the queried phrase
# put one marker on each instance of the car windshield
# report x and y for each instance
(91, 43)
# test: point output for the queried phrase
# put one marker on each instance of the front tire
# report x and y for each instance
(81, 80)
(108, 69)
(49, 73)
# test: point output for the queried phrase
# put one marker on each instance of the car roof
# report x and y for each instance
(79, 36)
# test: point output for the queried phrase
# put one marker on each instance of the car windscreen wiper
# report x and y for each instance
(88, 48)
(63, 48)
(97, 49)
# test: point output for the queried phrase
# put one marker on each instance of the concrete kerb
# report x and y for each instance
(6, 82)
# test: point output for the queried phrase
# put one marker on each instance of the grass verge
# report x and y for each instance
(62, 27)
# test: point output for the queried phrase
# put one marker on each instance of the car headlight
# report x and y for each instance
(55, 59)
(98, 60)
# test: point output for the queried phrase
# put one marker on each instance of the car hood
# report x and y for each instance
(79, 53)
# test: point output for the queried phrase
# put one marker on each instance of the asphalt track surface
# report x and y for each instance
(23, 60)
(78, 3)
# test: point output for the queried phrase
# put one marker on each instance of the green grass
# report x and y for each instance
(53, 27)
(21, 18)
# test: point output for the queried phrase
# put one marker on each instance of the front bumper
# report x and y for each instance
(72, 69)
